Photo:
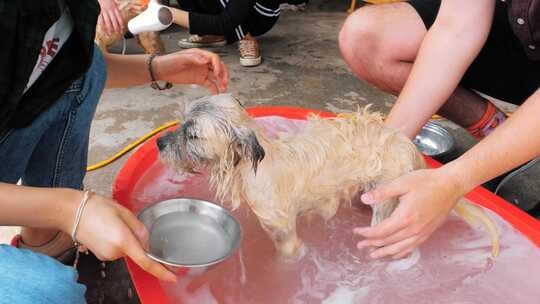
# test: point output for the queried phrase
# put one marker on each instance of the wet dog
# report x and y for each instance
(330, 161)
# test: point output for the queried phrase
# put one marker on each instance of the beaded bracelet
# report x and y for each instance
(154, 84)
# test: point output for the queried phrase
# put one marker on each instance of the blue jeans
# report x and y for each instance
(51, 152)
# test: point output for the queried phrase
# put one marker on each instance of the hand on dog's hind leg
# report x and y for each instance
(382, 211)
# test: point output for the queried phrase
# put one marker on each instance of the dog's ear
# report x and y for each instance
(247, 146)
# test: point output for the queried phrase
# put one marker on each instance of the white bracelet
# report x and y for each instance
(78, 216)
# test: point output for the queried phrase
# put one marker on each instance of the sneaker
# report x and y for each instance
(250, 52)
(196, 41)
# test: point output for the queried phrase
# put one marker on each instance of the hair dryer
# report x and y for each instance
(155, 18)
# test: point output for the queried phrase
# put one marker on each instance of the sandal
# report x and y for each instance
(196, 41)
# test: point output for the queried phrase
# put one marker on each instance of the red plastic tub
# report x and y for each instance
(150, 290)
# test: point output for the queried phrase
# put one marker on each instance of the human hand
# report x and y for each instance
(193, 66)
(110, 18)
(111, 231)
(425, 199)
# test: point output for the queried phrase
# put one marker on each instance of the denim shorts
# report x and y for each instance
(51, 152)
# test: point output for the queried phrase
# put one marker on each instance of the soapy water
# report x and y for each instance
(453, 266)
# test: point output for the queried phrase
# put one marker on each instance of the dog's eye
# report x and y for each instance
(192, 136)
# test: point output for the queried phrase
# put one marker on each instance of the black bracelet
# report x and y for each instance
(154, 84)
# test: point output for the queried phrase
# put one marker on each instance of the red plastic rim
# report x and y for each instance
(148, 287)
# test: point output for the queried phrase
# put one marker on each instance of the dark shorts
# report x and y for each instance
(502, 69)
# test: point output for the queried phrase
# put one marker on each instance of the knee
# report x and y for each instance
(30, 278)
(360, 35)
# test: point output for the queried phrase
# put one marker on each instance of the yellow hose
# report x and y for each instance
(130, 147)
(141, 140)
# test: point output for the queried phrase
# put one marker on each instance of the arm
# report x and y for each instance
(109, 230)
(447, 50)
(22, 211)
(192, 66)
(180, 17)
(427, 196)
(206, 24)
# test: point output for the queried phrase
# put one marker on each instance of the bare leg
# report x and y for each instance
(380, 43)
(464, 107)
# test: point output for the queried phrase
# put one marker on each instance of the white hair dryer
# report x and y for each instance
(155, 18)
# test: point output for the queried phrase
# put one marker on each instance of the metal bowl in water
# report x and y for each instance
(188, 236)
(434, 140)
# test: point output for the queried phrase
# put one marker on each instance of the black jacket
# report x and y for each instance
(23, 24)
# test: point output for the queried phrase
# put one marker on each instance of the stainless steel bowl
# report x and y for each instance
(189, 236)
(434, 140)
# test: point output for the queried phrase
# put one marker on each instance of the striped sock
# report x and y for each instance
(491, 119)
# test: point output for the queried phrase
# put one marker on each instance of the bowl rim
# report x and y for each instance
(207, 204)
(431, 124)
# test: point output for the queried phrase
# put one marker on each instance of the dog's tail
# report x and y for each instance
(473, 214)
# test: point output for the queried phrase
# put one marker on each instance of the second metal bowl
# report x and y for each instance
(434, 140)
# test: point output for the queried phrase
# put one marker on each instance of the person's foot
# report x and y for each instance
(196, 41)
(250, 52)
(60, 247)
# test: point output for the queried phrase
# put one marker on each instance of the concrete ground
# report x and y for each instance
(302, 67)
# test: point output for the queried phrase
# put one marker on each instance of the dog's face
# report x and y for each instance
(215, 131)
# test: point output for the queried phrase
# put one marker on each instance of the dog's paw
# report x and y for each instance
(291, 249)
(294, 255)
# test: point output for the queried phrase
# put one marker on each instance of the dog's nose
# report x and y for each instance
(161, 143)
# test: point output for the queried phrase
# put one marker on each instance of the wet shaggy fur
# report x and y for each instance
(329, 162)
